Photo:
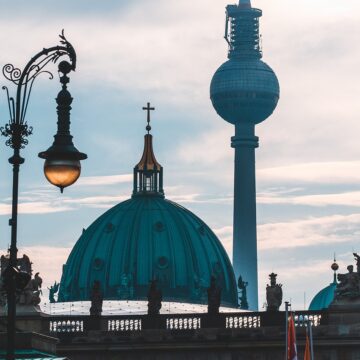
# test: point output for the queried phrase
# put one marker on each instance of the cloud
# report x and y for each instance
(326, 230)
(211, 148)
(40, 207)
(100, 201)
(351, 198)
(55, 205)
(201, 199)
(335, 172)
(105, 180)
(41, 200)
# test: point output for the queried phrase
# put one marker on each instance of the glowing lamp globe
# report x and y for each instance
(62, 162)
(62, 173)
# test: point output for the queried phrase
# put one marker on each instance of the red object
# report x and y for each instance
(291, 351)
(307, 355)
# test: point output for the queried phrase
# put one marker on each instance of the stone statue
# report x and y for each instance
(214, 297)
(154, 299)
(357, 259)
(28, 289)
(25, 265)
(32, 291)
(242, 285)
(126, 288)
(96, 298)
(349, 285)
(52, 291)
(273, 294)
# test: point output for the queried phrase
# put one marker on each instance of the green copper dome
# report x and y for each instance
(148, 237)
(325, 297)
(143, 238)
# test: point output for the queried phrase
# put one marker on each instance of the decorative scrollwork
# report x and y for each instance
(11, 104)
(70, 49)
(35, 70)
(17, 135)
(11, 73)
(17, 130)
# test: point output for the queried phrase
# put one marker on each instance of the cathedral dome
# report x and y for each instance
(148, 237)
(143, 238)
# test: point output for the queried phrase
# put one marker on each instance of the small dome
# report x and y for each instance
(143, 238)
(323, 298)
(245, 91)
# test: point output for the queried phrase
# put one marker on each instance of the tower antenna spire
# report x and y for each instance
(244, 3)
(148, 109)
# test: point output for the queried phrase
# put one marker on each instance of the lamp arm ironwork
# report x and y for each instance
(17, 130)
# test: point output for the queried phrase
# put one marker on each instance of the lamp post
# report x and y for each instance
(62, 160)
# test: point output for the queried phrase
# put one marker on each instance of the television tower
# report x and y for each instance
(244, 91)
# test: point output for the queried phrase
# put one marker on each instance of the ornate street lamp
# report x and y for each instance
(62, 160)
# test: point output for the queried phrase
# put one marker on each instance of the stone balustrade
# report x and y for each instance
(179, 322)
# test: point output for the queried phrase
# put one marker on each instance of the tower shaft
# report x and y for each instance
(244, 231)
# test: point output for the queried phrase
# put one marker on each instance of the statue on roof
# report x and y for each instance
(349, 285)
(214, 296)
(274, 294)
(32, 291)
(96, 298)
(154, 299)
(28, 290)
(357, 259)
(126, 288)
(52, 292)
(24, 264)
(242, 285)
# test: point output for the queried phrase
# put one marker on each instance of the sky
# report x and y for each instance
(165, 52)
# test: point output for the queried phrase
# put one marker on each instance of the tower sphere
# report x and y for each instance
(244, 91)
